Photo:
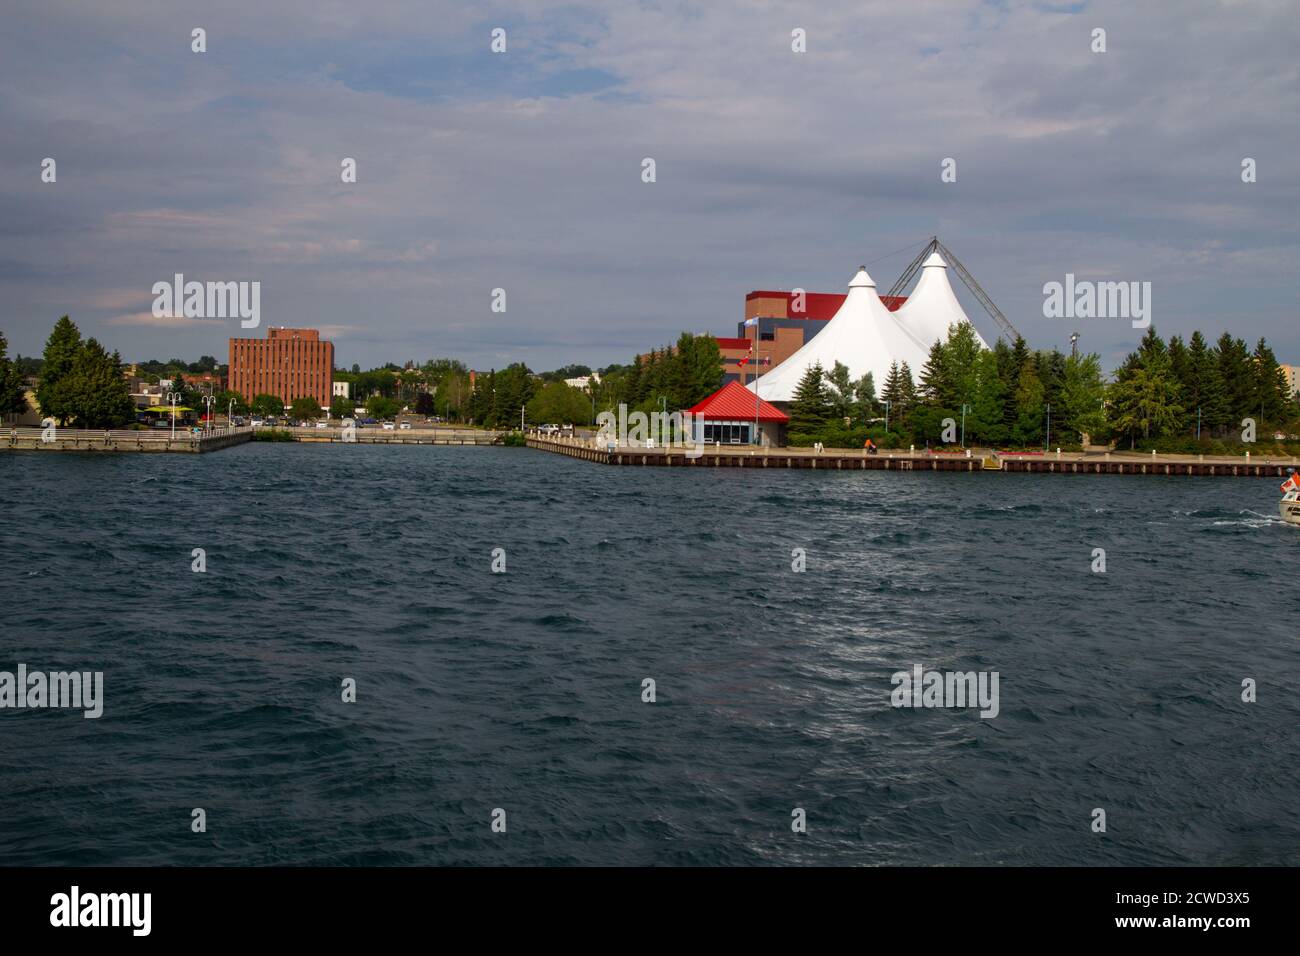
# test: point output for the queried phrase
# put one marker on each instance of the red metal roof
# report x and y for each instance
(734, 402)
(821, 305)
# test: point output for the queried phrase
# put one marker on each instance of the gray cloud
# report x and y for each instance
(775, 169)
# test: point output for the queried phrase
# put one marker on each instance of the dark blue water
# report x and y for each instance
(523, 690)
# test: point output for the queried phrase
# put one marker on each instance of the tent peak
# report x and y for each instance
(862, 280)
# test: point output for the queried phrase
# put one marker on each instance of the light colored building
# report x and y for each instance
(583, 381)
(342, 389)
(1292, 373)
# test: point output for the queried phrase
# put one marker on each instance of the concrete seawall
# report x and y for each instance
(1074, 463)
(120, 440)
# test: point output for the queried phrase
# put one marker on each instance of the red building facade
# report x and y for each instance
(288, 363)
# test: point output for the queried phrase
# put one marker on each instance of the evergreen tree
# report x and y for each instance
(1204, 390)
(1237, 376)
(94, 392)
(895, 396)
(938, 385)
(61, 350)
(1050, 367)
(967, 373)
(1009, 372)
(811, 409)
(1028, 429)
(633, 385)
(985, 408)
(701, 368)
(13, 390)
(1180, 364)
(907, 392)
(1270, 397)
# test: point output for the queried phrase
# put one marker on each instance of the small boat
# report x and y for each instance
(1289, 506)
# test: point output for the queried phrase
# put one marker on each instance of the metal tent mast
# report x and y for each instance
(934, 245)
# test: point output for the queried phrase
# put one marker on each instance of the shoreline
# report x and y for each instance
(1089, 463)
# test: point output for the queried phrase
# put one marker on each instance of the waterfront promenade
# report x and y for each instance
(840, 459)
(122, 440)
(162, 440)
(416, 435)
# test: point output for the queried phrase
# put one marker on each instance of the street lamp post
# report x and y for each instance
(171, 397)
(964, 409)
(888, 405)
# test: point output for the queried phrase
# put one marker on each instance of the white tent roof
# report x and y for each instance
(932, 307)
(863, 334)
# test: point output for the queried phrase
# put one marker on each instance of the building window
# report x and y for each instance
(767, 336)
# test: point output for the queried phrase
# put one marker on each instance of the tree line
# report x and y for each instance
(1175, 397)
(80, 381)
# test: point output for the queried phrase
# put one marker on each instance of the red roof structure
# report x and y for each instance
(732, 343)
(820, 305)
(734, 402)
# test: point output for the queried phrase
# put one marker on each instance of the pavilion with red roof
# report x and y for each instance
(729, 415)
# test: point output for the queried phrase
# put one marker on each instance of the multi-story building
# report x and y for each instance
(783, 327)
(1292, 373)
(288, 363)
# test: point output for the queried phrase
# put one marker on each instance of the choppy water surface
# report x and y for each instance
(523, 690)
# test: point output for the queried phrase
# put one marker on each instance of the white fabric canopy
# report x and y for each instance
(932, 307)
(863, 334)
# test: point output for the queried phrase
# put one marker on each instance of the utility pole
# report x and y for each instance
(964, 409)
(1074, 345)
(1048, 446)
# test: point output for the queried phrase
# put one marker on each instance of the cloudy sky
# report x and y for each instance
(522, 170)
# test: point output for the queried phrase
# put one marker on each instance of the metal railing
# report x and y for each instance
(110, 435)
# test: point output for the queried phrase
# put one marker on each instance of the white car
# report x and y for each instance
(256, 423)
(322, 424)
(389, 426)
(405, 425)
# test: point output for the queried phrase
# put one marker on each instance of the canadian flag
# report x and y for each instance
(1292, 482)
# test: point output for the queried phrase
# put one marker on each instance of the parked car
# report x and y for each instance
(549, 429)
(389, 426)
(322, 424)
(258, 423)
(405, 425)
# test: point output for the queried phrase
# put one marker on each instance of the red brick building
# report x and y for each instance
(288, 363)
(782, 328)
